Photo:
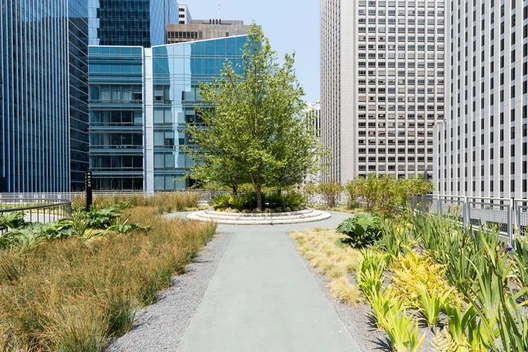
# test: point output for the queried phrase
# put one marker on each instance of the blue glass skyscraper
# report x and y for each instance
(78, 75)
(130, 22)
(34, 96)
(140, 102)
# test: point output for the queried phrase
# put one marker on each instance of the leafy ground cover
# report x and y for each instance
(431, 285)
(78, 285)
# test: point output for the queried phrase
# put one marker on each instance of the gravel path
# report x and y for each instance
(161, 326)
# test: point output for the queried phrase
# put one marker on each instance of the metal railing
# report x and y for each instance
(35, 209)
(509, 216)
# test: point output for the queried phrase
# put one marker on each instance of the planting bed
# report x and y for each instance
(302, 216)
(425, 285)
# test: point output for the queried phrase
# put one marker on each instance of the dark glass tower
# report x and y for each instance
(130, 22)
(78, 74)
(34, 92)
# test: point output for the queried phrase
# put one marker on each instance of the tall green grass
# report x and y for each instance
(74, 294)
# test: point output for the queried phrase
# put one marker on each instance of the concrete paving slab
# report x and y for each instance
(263, 298)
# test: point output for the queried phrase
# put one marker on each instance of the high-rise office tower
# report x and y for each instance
(382, 85)
(481, 148)
(130, 22)
(34, 96)
(78, 82)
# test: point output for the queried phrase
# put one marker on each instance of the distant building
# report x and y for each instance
(141, 100)
(184, 15)
(313, 113)
(382, 85)
(204, 29)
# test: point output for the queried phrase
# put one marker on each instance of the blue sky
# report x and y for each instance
(290, 25)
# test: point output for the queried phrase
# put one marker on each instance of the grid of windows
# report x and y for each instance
(177, 71)
(395, 80)
(130, 22)
(482, 143)
(140, 102)
(116, 117)
(78, 75)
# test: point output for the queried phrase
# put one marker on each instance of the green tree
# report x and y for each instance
(385, 194)
(251, 126)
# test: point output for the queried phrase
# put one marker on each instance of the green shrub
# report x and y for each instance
(330, 192)
(294, 199)
(362, 230)
(248, 201)
(221, 201)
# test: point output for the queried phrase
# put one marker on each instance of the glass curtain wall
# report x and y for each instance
(78, 58)
(116, 117)
(130, 22)
(34, 90)
(177, 71)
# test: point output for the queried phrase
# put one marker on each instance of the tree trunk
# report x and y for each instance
(258, 191)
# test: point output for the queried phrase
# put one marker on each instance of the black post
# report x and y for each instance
(88, 184)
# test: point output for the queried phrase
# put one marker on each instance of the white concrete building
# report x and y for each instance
(184, 15)
(482, 145)
(313, 112)
(382, 85)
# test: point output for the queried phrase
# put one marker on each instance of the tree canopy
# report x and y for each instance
(252, 128)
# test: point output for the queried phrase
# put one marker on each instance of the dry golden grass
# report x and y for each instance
(163, 201)
(344, 291)
(322, 249)
(73, 294)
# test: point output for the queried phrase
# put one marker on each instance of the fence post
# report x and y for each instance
(511, 222)
(465, 211)
(438, 205)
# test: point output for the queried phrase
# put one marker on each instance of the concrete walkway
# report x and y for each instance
(263, 298)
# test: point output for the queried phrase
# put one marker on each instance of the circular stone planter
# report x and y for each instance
(294, 217)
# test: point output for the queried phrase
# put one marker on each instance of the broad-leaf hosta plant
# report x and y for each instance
(362, 230)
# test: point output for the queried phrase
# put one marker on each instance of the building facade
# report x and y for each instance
(482, 145)
(116, 117)
(140, 102)
(34, 96)
(382, 86)
(78, 83)
(130, 22)
(204, 29)
(312, 112)
(184, 15)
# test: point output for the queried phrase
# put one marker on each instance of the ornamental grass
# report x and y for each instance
(74, 294)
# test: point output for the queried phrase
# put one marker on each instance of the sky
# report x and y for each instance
(290, 25)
